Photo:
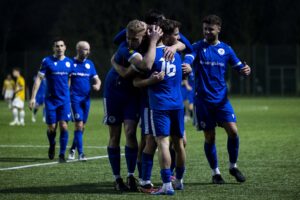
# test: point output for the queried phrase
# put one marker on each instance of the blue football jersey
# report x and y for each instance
(82, 74)
(56, 72)
(166, 95)
(122, 57)
(210, 65)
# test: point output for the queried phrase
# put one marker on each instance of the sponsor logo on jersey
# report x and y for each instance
(221, 51)
(131, 51)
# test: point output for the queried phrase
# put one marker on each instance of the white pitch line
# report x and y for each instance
(50, 163)
(45, 146)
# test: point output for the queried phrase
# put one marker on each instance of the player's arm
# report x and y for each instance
(237, 65)
(187, 85)
(120, 37)
(189, 59)
(145, 63)
(170, 51)
(186, 42)
(122, 71)
(144, 82)
(35, 89)
(97, 83)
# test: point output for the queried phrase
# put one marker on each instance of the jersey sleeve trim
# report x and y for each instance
(132, 56)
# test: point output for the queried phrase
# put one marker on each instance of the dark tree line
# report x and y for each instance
(29, 26)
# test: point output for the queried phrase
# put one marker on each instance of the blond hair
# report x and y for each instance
(136, 26)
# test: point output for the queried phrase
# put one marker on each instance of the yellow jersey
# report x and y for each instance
(8, 84)
(20, 83)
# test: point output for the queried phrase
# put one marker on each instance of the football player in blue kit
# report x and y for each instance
(166, 112)
(56, 69)
(83, 73)
(210, 58)
(121, 98)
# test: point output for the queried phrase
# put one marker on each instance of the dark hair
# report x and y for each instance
(56, 39)
(212, 19)
(168, 26)
(153, 16)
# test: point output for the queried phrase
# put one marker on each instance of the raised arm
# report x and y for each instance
(145, 63)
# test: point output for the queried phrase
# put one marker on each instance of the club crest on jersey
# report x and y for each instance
(75, 65)
(55, 63)
(87, 65)
(221, 51)
(68, 64)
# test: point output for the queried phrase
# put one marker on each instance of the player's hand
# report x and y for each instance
(169, 53)
(189, 88)
(154, 33)
(157, 76)
(31, 104)
(246, 70)
(96, 87)
(186, 68)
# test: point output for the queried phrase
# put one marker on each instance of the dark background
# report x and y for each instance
(27, 28)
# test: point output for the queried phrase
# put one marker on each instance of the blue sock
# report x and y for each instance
(147, 164)
(173, 160)
(233, 148)
(63, 140)
(179, 172)
(211, 154)
(51, 137)
(165, 175)
(139, 167)
(78, 139)
(114, 159)
(131, 157)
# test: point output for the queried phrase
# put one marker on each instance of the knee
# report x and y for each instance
(210, 137)
(79, 126)
(63, 126)
(51, 128)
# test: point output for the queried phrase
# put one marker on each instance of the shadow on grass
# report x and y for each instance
(83, 188)
(26, 159)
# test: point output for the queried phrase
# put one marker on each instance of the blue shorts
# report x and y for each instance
(190, 96)
(116, 110)
(59, 113)
(167, 122)
(145, 121)
(184, 93)
(80, 110)
(209, 115)
(187, 95)
(39, 100)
